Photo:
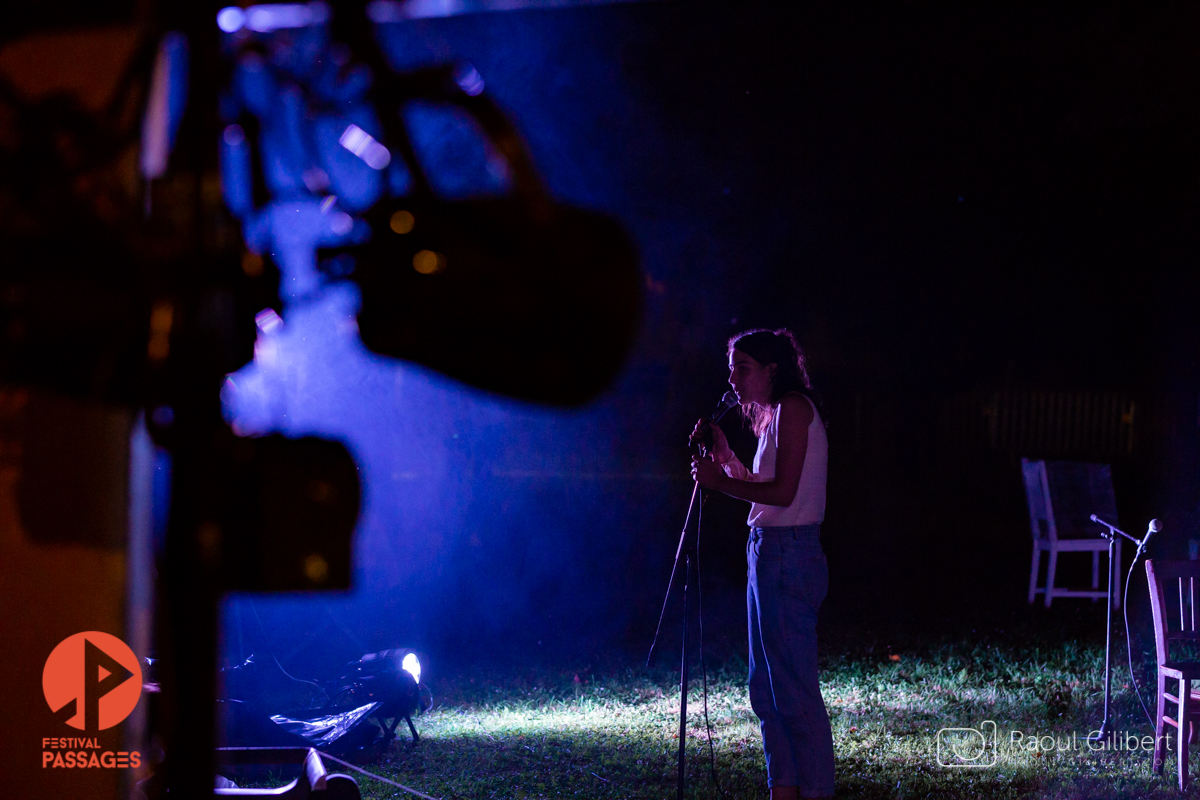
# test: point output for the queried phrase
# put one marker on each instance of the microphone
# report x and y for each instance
(1153, 528)
(728, 401)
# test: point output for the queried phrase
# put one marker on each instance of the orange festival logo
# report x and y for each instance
(92, 681)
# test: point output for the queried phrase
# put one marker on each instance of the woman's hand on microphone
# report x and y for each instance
(719, 450)
(707, 472)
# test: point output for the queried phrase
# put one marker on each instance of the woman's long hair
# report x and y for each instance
(778, 347)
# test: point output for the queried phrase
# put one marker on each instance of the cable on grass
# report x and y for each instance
(377, 777)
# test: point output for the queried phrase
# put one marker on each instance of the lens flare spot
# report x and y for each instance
(208, 537)
(469, 80)
(162, 315)
(320, 491)
(163, 416)
(231, 19)
(402, 222)
(341, 223)
(316, 568)
(252, 264)
(428, 262)
(234, 135)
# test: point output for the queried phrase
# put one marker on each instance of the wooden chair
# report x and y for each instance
(1176, 581)
(1060, 523)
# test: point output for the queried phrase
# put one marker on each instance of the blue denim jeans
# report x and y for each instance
(787, 580)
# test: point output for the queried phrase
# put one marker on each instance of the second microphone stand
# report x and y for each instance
(1114, 569)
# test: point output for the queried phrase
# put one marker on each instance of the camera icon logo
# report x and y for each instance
(967, 748)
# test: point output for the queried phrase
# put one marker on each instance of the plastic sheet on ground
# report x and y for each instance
(324, 731)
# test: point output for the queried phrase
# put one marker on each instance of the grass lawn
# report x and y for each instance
(593, 734)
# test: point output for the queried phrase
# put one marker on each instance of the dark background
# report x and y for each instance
(980, 222)
(957, 210)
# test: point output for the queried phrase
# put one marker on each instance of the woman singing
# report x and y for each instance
(787, 576)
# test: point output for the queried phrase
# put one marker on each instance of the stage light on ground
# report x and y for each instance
(412, 665)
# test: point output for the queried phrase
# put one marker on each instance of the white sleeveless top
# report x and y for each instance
(808, 506)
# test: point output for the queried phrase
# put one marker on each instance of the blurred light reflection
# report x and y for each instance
(268, 320)
(231, 20)
(384, 11)
(402, 222)
(267, 18)
(469, 80)
(428, 262)
(363, 145)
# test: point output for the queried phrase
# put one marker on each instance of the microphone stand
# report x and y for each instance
(692, 546)
(687, 547)
(1111, 535)
(683, 670)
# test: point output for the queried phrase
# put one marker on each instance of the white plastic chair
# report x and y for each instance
(1046, 529)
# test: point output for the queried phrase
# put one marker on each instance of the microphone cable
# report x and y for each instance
(267, 640)
(1129, 643)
